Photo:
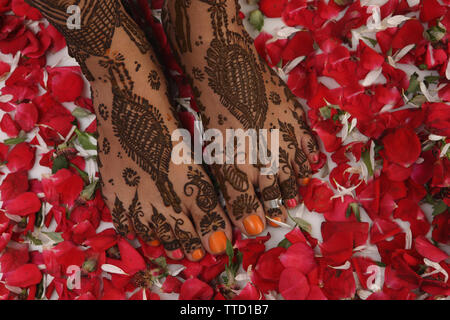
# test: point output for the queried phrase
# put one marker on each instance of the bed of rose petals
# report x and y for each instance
(375, 78)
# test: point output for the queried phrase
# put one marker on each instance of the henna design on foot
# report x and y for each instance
(244, 204)
(233, 72)
(300, 157)
(206, 198)
(131, 177)
(119, 217)
(141, 131)
(163, 230)
(189, 242)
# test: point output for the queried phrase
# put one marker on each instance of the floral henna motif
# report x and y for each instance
(189, 242)
(119, 217)
(211, 222)
(136, 214)
(131, 177)
(141, 131)
(288, 187)
(300, 157)
(244, 204)
(272, 192)
(206, 200)
(163, 230)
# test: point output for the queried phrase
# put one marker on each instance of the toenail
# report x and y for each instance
(253, 225)
(197, 254)
(315, 158)
(291, 203)
(154, 243)
(273, 224)
(177, 254)
(305, 181)
(218, 242)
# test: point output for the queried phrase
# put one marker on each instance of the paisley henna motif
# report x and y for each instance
(141, 131)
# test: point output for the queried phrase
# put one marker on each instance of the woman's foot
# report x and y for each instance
(147, 193)
(236, 90)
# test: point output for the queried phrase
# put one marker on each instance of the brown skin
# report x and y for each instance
(143, 188)
(236, 90)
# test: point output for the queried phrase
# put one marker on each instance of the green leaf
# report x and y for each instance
(366, 159)
(14, 141)
(431, 79)
(423, 66)
(80, 112)
(439, 207)
(413, 84)
(83, 174)
(230, 252)
(40, 289)
(55, 236)
(161, 261)
(325, 112)
(39, 218)
(84, 139)
(373, 42)
(380, 264)
(34, 240)
(285, 243)
(435, 33)
(60, 162)
(302, 224)
(90, 265)
(89, 191)
(256, 19)
(355, 208)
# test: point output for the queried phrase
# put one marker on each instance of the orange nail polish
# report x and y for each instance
(305, 181)
(154, 243)
(197, 254)
(253, 225)
(218, 242)
(273, 224)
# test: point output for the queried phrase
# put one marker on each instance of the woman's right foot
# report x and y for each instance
(146, 192)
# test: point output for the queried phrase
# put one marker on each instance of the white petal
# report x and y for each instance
(396, 20)
(6, 98)
(345, 266)
(444, 150)
(175, 269)
(281, 224)
(435, 137)
(437, 267)
(413, 3)
(447, 71)
(286, 32)
(110, 268)
(400, 54)
(371, 77)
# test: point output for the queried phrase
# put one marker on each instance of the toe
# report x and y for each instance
(287, 181)
(163, 230)
(271, 196)
(247, 212)
(209, 218)
(214, 229)
(184, 231)
(310, 148)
